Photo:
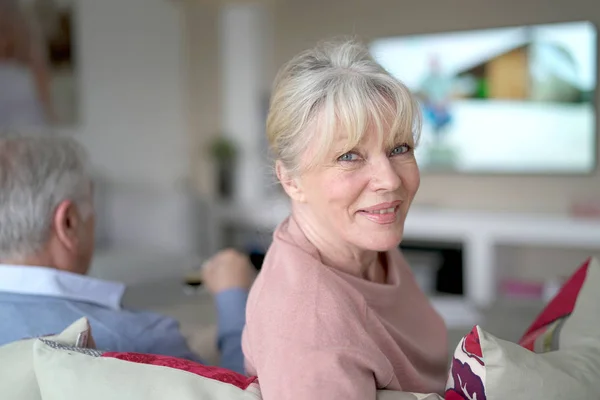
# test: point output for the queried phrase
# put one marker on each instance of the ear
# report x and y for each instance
(67, 223)
(290, 184)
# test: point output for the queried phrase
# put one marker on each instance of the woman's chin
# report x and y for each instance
(381, 241)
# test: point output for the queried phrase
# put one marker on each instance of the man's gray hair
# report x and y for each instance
(37, 173)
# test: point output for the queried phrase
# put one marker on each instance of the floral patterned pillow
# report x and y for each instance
(466, 379)
(487, 368)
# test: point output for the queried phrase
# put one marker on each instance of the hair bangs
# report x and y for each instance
(358, 106)
(407, 119)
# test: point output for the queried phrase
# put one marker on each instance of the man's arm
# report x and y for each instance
(163, 336)
(228, 275)
(231, 315)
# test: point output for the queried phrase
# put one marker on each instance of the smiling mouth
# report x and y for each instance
(390, 210)
(382, 216)
(383, 208)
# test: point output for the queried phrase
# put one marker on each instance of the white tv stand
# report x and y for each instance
(479, 232)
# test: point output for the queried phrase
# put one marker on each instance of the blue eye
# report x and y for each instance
(400, 150)
(348, 157)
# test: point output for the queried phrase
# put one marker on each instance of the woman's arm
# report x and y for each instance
(231, 317)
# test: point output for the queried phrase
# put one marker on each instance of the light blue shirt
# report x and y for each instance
(37, 301)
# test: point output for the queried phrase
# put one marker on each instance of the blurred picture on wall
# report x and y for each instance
(38, 83)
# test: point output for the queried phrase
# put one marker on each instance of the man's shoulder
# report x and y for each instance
(112, 329)
(124, 321)
(151, 318)
(138, 321)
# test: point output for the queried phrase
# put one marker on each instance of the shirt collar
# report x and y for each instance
(43, 281)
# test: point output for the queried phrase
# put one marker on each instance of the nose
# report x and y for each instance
(384, 176)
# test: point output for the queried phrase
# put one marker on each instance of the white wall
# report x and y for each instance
(132, 88)
(244, 56)
(204, 82)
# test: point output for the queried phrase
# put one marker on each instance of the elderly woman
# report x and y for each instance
(336, 312)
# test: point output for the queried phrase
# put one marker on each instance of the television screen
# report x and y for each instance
(508, 100)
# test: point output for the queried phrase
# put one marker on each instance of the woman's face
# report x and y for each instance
(362, 197)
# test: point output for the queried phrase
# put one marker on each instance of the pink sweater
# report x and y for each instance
(314, 332)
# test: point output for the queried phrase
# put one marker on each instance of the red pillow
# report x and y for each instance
(215, 373)
(546, 326)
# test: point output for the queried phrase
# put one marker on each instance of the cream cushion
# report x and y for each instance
(17, 375)
(70, 375)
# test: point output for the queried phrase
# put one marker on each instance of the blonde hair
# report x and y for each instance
(336, 86)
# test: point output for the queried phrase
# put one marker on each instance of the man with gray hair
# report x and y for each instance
(46, 248)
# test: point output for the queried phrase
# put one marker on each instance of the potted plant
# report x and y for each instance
(223, 152)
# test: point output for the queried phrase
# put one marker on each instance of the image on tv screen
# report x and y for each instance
(506, 100)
